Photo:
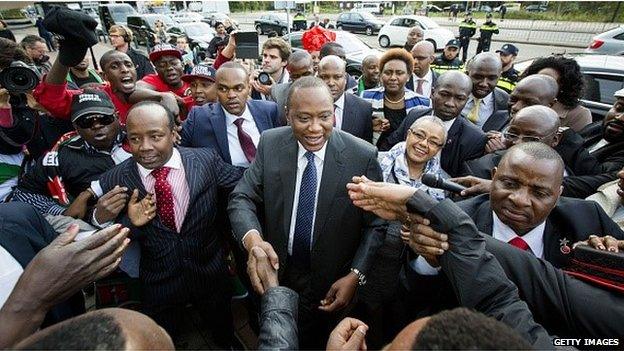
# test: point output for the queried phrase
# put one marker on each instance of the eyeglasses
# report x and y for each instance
(513, 137)
(90, 121)
(420, 137)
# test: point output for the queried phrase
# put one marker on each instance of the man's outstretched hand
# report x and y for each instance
(349, 334)
(386, 200)
(257, 249)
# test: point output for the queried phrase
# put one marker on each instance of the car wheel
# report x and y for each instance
(339, 26)
(369, 31)
(283, 31)
(435, 47)
(259, 30)
(384, 41)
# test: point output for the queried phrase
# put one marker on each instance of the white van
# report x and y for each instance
(372, 7)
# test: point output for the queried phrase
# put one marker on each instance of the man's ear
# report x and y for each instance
(556, 139)
(552, 103)
(493, 172)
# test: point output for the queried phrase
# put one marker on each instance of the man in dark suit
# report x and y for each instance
(323, 248)
(299, 65)
(335, 49)
(424, 54)
(605, 140)
(465, 141)
(352, 114)
(231, 127)
(486, 101)
(182, 255)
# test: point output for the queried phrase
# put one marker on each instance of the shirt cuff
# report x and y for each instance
(422, 267)
(56, 210)
(97, 224)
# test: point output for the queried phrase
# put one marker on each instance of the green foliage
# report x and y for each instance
(12, 14)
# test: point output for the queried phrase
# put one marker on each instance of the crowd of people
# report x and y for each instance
(312, 191)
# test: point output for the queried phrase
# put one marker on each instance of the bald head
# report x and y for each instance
(370, 71)
(332, 61)
(423, 53)
(423, 47)
(536, 89)
(534, 123)
(485, 59)
(300, 64)
(540, 116)
(415, 35)
(369, 60)
(450, 94)
(484, 70)
(332, 71)
(456, 79)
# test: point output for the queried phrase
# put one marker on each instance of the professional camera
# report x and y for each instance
(264, 78)
(19, 78)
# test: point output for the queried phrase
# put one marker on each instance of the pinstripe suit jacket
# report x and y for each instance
(175, 266)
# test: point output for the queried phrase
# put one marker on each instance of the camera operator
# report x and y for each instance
(37, 51)
(275, 53)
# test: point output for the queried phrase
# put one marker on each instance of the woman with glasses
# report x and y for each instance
(392, 102)
(567, 73)
(404, 164)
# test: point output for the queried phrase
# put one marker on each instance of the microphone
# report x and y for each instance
(436, 181)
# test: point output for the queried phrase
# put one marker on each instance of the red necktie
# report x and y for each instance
(519, 243)
(419, 88)
(164, 197)
(249, 149)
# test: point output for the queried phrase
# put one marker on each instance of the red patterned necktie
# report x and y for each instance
(419, 88)
(249, 149)
(164, 197)
(519, 243)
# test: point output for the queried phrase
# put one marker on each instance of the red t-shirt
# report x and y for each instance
(184, 92)
(57, 99)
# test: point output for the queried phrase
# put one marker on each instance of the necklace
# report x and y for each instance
(394, 102)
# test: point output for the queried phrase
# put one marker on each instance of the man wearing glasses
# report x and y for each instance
(60, 182)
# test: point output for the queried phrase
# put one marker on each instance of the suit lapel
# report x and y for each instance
(347, 115)
(288, 176)
(191, 171)
(258, 117)
(448, 151)
(217, 119)
(332, 172)
(484, 219)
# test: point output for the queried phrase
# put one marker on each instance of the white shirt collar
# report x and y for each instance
(428, 77)
(175, 162)
(340, 102)
(448, 124)
(230, 118)
(320, 154)
(534, 238)
(488, 99)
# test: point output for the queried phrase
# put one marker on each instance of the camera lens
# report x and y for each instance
(264, 78)
(18, 79)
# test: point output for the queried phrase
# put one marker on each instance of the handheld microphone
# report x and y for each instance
(436, 181)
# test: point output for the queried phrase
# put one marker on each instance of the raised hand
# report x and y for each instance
(266, 273)
(384, 199)
(78, 207)
(340, 293)
(475, 186)
(349, 334)
(141, 212)
(111, 204)
(605, 243)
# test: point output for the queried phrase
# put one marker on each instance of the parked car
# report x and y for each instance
(603, 76)
(433, 8)
(199, 35)
(481, 8)
(111, 14)
(272, 22)
(511, 7)
(359, 22)
(355, 49)
(213, 17)
(460, 7)
(185, 17)
(609, 43)
(142, 26)
(536, 8)
(369, 7)
(395, 32)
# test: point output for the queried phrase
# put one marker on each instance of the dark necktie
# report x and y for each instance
(249, 149)
(419, 87)
(305, 214)
(519, 243)
(164, 197)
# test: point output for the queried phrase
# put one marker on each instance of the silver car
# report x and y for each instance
(608, 43)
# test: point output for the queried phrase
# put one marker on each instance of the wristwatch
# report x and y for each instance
(360, 275)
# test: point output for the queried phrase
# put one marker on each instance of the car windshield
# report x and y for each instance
(197, 29)
(121, 13)
(368, 16)
(165, 19)
(428, 23)
(351, 43)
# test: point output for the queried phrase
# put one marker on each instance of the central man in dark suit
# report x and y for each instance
(233, 125)
(182, 256)
(353, 114)
(293, 203)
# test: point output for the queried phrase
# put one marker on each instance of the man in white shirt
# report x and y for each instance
(486, 99)
(352, 114)
(423, 77)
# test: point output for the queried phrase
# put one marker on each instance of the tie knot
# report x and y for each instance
(310, 156)
(160, 173)
(239, 122)
(519, 243)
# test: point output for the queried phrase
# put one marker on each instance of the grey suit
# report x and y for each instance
(344, 236)
(279, 92)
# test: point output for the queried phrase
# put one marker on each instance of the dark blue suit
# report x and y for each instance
(177, 268)
(357, 117)
(205, 126)
(23, 233)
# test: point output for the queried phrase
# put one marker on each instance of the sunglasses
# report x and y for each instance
(89, 122)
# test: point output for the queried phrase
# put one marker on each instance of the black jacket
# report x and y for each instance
(357, 117)
(464, 141)
(142, 63)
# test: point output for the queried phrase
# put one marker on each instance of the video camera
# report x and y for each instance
(19, 78)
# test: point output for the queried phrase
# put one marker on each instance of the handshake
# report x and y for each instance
(76, 31)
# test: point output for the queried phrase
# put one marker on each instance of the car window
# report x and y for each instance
(619, 36)
(351, 43)
(601, 87)
(397, 22)
(261, 17)
(368, 16)
(296, 41)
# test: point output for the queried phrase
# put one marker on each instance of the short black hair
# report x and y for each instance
(306, 82)
(93, 331)
(107, 55)
(464, 329)
(170, 116)
(332, 48)
(571, 83)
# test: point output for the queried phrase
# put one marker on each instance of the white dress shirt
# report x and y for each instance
(339, 110)
(485, 109)
(10, 272)
(534, 238)
(249, 126)
(302, 162)
(427, 83)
